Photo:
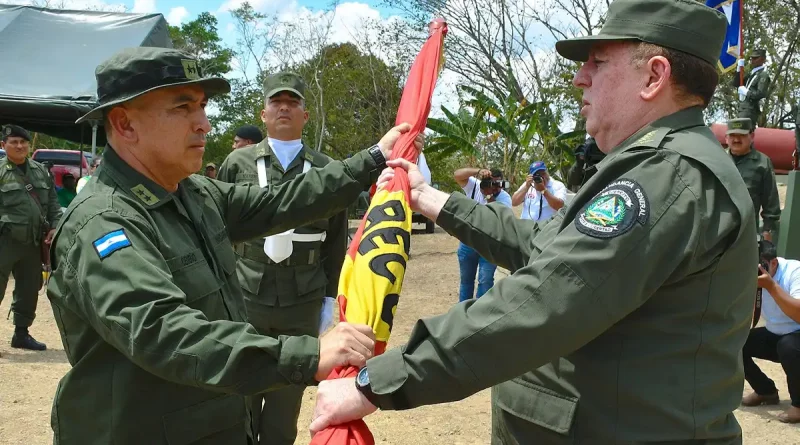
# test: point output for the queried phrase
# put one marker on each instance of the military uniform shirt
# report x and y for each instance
(298, 284)
(625, 318)
(759, 177)
(151, 314)
(20, 215)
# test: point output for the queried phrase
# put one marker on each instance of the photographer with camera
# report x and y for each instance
(779, 340)
(483, 186)
(541, 195)
(587, 156)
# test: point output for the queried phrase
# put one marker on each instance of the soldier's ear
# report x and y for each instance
(305, 116)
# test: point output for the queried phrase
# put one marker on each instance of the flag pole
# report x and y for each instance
(741, 41)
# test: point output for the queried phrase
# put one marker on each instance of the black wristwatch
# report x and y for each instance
(362, 384)
(377, 156)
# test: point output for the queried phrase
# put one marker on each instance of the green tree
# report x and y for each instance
(360, 96)
(501, 131)
(201, 39)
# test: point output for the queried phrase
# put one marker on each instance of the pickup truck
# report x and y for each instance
(64, 161)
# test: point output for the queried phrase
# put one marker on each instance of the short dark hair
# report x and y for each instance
(767, 250)
(497, 173)
(693, 76)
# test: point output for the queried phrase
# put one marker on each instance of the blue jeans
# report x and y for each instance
(469, 262)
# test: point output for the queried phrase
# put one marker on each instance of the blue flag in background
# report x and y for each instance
(730, 48)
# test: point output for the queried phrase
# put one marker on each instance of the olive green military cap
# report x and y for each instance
(740, 126)
(758, 53)
(135, 71)
(683, 25)
(284, 81)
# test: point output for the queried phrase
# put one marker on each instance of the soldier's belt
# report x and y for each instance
(301, 258)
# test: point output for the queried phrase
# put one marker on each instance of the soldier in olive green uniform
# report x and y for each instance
(758, 174)
(284, 291)
(144, 288)
(755, 88)
(625, 318)
(28, 209)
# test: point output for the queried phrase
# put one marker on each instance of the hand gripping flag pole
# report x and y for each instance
(373, 270)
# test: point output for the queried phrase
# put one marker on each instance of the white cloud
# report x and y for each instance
(144, 6)
(177, 15)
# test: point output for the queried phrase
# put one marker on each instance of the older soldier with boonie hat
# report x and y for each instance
(625, 317)
(757, 172)
(144, 286)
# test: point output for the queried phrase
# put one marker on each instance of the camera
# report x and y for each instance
(589, 152)
(489, 182)
(765, 266)
(537, 179)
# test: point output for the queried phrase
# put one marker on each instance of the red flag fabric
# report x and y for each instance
(374, 268)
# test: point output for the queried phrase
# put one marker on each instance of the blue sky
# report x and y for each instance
(185, 10)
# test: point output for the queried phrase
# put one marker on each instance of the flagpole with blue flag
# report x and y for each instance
(733, 47)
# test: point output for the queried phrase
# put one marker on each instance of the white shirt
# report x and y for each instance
(530, 207)
(473, 191)
(285, 151)
(423, 168)
(788, 278)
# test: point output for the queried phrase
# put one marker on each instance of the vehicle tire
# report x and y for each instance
(429, 226)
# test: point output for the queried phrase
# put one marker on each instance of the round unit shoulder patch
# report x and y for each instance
(615, 210)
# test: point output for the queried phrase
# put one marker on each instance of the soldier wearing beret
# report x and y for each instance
(29, 211)
(758, 174)
(144, 287)
(755, 88)
(287, 278)
(247, 135)
(624, 320)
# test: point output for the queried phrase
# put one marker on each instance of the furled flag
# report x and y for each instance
(732, 47)
(373, 270)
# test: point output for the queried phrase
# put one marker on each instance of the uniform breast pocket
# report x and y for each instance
(197, 280)
(12, 194)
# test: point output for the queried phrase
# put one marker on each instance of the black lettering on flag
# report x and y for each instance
(378, 265)
(389, 235)
(389, 303)
(379, 213)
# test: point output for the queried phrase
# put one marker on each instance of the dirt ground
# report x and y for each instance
(28, 379)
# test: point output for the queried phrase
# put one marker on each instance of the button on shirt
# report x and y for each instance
(788, 278)
(533, 199)
(473, 191)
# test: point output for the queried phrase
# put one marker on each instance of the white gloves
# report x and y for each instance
(742, 92)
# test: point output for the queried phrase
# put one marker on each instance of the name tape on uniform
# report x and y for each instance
(110, 243)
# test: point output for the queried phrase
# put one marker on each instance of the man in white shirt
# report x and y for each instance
(486, 190)
(779, 340)
(540, 195)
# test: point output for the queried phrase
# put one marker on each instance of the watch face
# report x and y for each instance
(363, 377)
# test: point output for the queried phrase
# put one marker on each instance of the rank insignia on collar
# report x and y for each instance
(145, 195)
(615, 210)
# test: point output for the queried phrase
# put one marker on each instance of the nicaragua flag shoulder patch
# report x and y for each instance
(110, 243)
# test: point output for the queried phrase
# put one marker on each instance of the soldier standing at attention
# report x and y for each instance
(755, 88)
(29, 212)
(758, 174)
(625, 319)
(285, 283)
(144, 288)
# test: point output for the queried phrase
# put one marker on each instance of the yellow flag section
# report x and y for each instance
(372, 274)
